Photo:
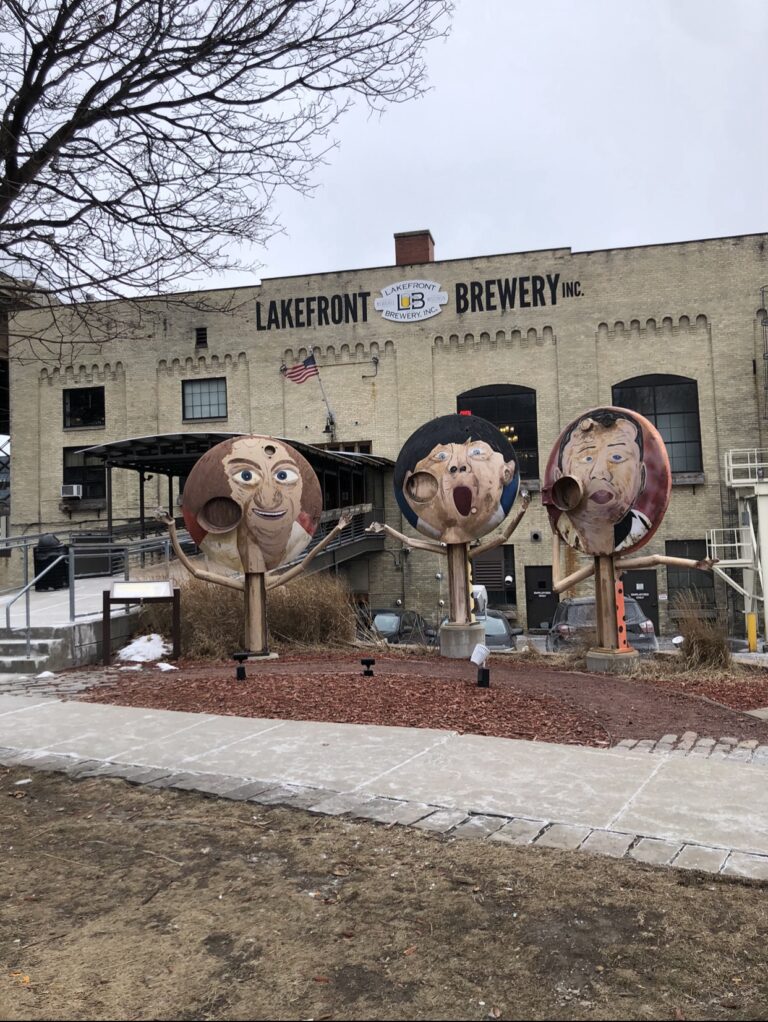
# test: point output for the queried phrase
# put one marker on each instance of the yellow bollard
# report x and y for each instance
(752, 632)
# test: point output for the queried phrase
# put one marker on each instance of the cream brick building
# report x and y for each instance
(550, 332)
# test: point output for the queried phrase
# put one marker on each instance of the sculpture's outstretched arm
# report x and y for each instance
(415, 544)
(274, 578)
(651, 560)
(504, 536)
(559, 584)
(205, 576)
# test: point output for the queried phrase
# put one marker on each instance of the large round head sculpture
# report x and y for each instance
(456, 478)
(607, 482)
(252, 503)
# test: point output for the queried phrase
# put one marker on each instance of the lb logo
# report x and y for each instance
(410, 300)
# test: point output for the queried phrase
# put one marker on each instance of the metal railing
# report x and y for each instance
(746, 467)
(91, 557)
(96, 560)
(731, 546)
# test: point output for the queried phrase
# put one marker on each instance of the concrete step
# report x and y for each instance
(22, 665)
(37, 632)
(15, 647)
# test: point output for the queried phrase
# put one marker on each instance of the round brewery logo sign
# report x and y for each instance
(410, 300)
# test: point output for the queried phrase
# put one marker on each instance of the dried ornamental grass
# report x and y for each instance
(705, 638)
(314, 610)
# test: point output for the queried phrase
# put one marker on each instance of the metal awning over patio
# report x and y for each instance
(174, 455)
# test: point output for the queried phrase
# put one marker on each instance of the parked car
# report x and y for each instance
(576, 616)
(402, 626)
(499, 634)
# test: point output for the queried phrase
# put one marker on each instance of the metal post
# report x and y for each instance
(176, 629)
(142, 530)
(71, 568)
(170, 496)
(26, 601)
(109, 502)
(106, 628)
(762, 531)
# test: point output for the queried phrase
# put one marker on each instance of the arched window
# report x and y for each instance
(513, 410)
(672, 405)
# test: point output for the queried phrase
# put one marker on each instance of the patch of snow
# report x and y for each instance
(136, 667)
(166, 667)
(46, 674)
(145, 648)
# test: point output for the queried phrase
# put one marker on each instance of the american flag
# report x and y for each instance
(301, 372)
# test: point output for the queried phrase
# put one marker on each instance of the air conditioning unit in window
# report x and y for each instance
(71, 490)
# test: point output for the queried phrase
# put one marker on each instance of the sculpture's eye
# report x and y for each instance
(441, 456)
(476, 452)
(286, 475)
(245, 475)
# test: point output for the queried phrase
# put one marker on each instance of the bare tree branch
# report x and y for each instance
(139, 139)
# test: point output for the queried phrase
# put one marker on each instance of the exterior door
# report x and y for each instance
(540, 601)
(642, 586)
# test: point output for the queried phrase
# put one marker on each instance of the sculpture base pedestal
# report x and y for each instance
(612, 661)
(458, 641)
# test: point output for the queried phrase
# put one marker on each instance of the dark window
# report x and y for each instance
(204, 399)
(84, 407)
(201, 337)
(513, 410)
(701, 584)
(671, 403)
(86, 471)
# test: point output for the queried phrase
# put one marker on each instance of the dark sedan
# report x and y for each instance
(402, 626)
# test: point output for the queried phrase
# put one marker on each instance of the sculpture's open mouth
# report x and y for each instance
(462, 498)
(269, 514)
(601, 496)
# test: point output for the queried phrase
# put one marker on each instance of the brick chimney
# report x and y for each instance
(414, 247)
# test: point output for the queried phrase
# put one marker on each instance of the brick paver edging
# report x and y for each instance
(451, 823)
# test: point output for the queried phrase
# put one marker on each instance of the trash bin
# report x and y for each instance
(47, 550)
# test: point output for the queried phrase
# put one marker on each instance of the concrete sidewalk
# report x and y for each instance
(688, 811)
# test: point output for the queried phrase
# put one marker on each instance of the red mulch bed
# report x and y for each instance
(525, 700)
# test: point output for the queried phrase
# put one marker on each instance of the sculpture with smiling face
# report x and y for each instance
(456, 478)
(252, 503)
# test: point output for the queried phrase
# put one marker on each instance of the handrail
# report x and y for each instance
(25, 592)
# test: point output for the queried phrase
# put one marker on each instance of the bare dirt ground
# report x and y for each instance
(125, 903)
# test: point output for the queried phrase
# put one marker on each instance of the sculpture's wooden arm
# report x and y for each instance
(274, 578)
(651, 560)
(559, 584)
(415, 544)
(205, 576)
(504, 536)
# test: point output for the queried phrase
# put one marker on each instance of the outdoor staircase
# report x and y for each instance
(48, 648)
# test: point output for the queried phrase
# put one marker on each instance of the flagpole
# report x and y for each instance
(331, 416)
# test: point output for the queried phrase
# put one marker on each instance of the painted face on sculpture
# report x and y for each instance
(258, 503)
(607, 462)
(456, 489)
(607, 482)
(460, 487)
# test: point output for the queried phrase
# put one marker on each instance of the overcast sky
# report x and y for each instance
(552, 123)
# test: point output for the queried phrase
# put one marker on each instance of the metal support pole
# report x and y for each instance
(109, 502)
(142, 529)
(71, 569)
(762, 531)
(170, 496)
(106, 628)
(176, 628)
